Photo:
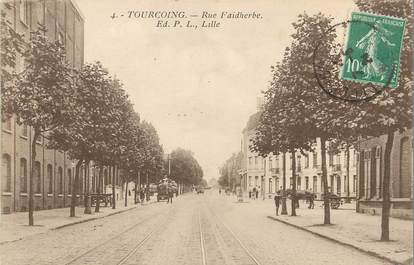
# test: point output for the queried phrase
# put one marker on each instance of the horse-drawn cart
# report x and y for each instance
(334, 200)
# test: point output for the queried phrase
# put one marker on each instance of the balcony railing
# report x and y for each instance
(336, 167)
(317, 167)
(275, 170)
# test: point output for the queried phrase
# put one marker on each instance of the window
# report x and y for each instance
(111, 174)
(81, 174)
(354, 182)
(60, 180)
(331, 158)
(315, 184)
(307, 183)
(345, 184)
(299, 183)
(7, 124)
(105, 177)
(315, 159)
(270, 162)
(23, 175)
(69, 181)
(405, 165)
(49, 172)
(338, 185)
(299, 163)
(255, 162)
(277, 184)
(250, 162)
(250, 180)
(6, 173)
(270, 185)
(338, 159)
(93, 183)
(354, 158)
(307, 161)
(24, 130)
(24, 11)
(277, 162)
(37, 178)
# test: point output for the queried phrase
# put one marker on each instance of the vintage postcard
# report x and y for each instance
(215, 132)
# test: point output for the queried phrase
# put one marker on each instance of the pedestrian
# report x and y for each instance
(257, 193)
(311, 201)
(170, 195)
(250, 193)
(147, 194)
(277, 203)
(254, 193)
(142, 195)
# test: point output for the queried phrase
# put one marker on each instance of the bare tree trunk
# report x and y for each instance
(87, 194)
(139, 185)
(126, 192)
(99, 189)
(75, 189)
(385, 216)
(348, 200)
(32, 173)
(147, 190)
(293, 195)
(135, 192)
(113, 187)
(327, 209)
(284, 207)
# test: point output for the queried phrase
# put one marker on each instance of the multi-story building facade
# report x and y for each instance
(266, 173)
(53, 170)
(371, 173)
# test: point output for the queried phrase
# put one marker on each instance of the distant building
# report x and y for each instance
(371, 173)
(267, 173)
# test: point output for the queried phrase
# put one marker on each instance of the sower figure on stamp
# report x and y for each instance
(277, 203)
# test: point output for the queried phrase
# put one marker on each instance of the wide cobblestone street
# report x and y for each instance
(195, 229)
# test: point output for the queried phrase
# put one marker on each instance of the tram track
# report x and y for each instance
(118, 236)
(243, 246)
(203, 250)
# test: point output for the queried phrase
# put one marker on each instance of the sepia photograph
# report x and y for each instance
(215, 132)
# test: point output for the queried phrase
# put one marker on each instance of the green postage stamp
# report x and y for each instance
(372, 51)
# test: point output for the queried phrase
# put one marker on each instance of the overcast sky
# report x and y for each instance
(196, 86)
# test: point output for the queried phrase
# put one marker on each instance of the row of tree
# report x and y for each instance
(229, 171)
(184, 168)
(84, 112)
(297, 111)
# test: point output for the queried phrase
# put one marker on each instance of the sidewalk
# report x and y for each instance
(15, 226)
(360, 231)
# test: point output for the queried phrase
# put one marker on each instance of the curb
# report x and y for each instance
(92, 219)
(371, 253)
(75, 223)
